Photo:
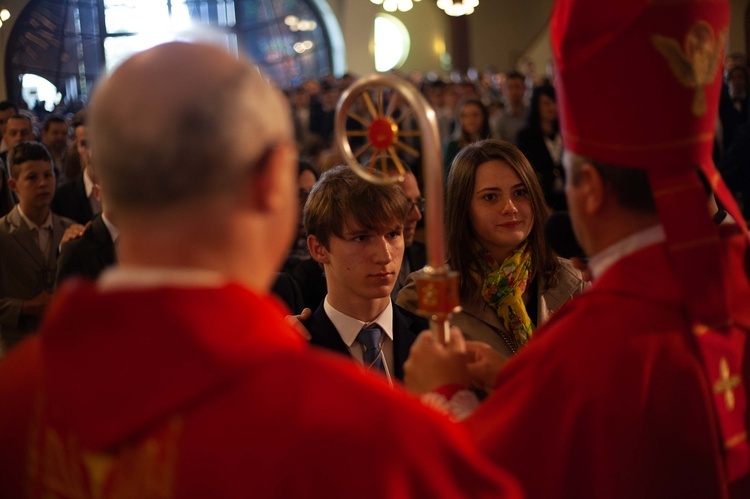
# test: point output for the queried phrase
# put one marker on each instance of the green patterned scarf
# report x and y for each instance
(503, 289)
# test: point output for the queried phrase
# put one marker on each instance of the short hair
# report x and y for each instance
(7, 104)
(629, 186)
(202, 148)
(27, 151)
(515, 74)
(459, 231)
(52, 118)
(22, 117)
(79, 119)
(342, 198)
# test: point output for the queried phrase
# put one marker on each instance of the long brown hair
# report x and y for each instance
(462, 255)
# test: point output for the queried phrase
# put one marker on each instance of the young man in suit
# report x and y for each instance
(29, 237)
(356, 231)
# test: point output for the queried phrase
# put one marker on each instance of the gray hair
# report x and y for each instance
(169, 128)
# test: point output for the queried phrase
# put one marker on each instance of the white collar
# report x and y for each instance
(114, 232)
(599, 263)
(349, 327)
(126, 277)
(88, 184)
(46, 225)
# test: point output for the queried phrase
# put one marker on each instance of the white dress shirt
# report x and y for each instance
(599, 263)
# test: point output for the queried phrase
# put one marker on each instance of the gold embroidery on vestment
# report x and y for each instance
(695, 64)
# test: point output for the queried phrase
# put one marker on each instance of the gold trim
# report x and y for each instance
(676, 188)
(694, 243)
(703, 137)
(735, 440)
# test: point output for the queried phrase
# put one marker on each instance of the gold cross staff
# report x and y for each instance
(726, 383)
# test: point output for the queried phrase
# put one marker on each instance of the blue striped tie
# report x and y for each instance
(369, 338)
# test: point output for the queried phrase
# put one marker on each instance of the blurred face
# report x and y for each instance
(500, 210)
(56, 137)
(547, 108)
(737, 82)
(35, 185)
(361, 265)
(4, 115)
(471, 119)
(83, 146)
(514, 90)
(411, 189)
(17, 130)
(305, 182)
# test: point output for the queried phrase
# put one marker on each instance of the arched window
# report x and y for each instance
(69, 43)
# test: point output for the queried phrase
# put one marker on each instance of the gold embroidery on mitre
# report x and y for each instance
(696, 65)
(726, 383)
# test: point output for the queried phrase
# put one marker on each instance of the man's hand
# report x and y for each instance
(36, 305)
(432, 365)
(296, 322)
(73, 232)
(484, 366)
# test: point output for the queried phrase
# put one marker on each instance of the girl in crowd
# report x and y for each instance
(541, 143)
(509, 279)
(474, 122)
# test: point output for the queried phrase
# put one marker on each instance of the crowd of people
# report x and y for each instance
(209, 304)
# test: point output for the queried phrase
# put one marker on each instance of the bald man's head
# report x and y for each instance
(182, 122)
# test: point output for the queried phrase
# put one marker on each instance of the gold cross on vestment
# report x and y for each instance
(726, 383)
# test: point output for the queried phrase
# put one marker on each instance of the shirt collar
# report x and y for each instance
(603, 260)
(88, 184)
(114, 232)
(349, 327)
(127, 277)
(46, 225)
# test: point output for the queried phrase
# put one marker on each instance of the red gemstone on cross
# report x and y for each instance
(382, 133)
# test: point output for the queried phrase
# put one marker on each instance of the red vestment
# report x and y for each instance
(207, 392)
(610, 399)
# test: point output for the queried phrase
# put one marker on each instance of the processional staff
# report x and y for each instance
(376, 160)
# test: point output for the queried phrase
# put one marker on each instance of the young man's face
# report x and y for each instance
(17, 130)
(35, 185)
(363, 264)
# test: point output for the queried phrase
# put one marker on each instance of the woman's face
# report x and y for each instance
(500, 210)
(471, 119)
(547, 108)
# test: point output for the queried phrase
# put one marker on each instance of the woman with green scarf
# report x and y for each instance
(510, 281)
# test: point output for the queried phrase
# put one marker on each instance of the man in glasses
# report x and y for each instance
(414, 251)
(356, 231)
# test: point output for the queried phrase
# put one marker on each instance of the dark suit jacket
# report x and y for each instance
(88, 255)
(416, 254)
(71, 201)
(286, 288)
(532, 145)
(406, 327)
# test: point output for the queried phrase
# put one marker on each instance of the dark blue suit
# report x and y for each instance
(406, 327)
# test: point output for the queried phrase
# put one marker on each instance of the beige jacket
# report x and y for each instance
(479, 322)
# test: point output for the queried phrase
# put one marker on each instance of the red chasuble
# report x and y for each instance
(208, 393)
(610, 399)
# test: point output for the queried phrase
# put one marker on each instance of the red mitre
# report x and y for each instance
(638, 85)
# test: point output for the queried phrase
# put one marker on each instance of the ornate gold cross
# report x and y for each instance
(726, 383)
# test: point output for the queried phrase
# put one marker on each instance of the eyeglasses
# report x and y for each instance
(419, 203)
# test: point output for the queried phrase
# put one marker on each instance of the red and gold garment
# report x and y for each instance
(207, 392)
(610, 399)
